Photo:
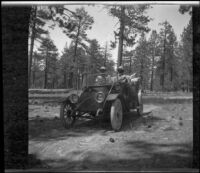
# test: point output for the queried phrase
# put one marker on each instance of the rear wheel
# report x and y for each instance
(140, 103)
(66, 114)
(116, 115)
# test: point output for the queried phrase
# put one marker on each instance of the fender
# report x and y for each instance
(63, 100)
(112, 97)
(66, 99)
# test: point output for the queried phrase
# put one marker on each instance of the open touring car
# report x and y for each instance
(112, 99)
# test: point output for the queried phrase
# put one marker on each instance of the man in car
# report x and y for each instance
(132, 79)
(121, 77)
(130, 87)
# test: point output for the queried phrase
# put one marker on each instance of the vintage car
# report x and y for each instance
(111, 100)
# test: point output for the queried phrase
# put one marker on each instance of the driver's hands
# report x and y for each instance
(123, 79)
(133, 75)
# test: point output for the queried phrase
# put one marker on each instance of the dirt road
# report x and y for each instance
(161, 138)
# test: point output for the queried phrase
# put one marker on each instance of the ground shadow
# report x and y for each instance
(52, 129)
(152, 156)
(34, 162)
(133, 121)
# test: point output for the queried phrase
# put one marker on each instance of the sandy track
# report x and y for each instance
(159, 139)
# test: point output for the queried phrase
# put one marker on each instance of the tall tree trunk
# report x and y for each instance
(70, 80)
(33, 73)
(32, 46)
(54, 75)
(171, 72)
(121, 37)
(33, 84)
(65, 80)
(46, 71)
(54, 81)
(45, 78)
(105, 55)
(152, 69)
(171, 68)
(187, 85)
(141, 73)
(76, 43)
(164, 52)
(65, 74)
(130, 66)
(75, 58)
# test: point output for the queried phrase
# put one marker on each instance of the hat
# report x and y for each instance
(102, 69)
(120, 69)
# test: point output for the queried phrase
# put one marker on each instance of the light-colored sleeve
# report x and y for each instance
(135, 80)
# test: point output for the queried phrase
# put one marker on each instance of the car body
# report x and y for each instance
(110, 100)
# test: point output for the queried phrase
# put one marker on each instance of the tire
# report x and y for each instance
(116, 115)
(67, 119)
(140, 103)
(106, 112)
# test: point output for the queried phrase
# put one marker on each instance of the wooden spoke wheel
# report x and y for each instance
(116, 115)
(66, 114)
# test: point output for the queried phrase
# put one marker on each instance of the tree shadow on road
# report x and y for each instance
(52, 129)
(151, 156)
(133, 121)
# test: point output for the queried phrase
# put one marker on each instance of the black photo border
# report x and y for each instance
(15, 20)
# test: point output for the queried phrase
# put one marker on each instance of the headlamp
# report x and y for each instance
(74, 98)
(100, 96)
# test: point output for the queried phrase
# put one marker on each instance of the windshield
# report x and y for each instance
(98, 79)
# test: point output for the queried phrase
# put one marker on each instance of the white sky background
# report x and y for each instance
(104, 25)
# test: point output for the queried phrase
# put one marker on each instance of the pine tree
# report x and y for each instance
(107, 58)
(96, 59)
(185, 52)
(36, 68)
(38, 18)
(142, 61)
(81, 22)
(49, 53)
(153, 43)
(132, 21)
(186, 56)
(185, 9)
(64, 64)
(167, 44)
(129, 58)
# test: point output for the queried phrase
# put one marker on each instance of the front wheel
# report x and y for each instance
(140, 103)
(116, 115)
(66, 114)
